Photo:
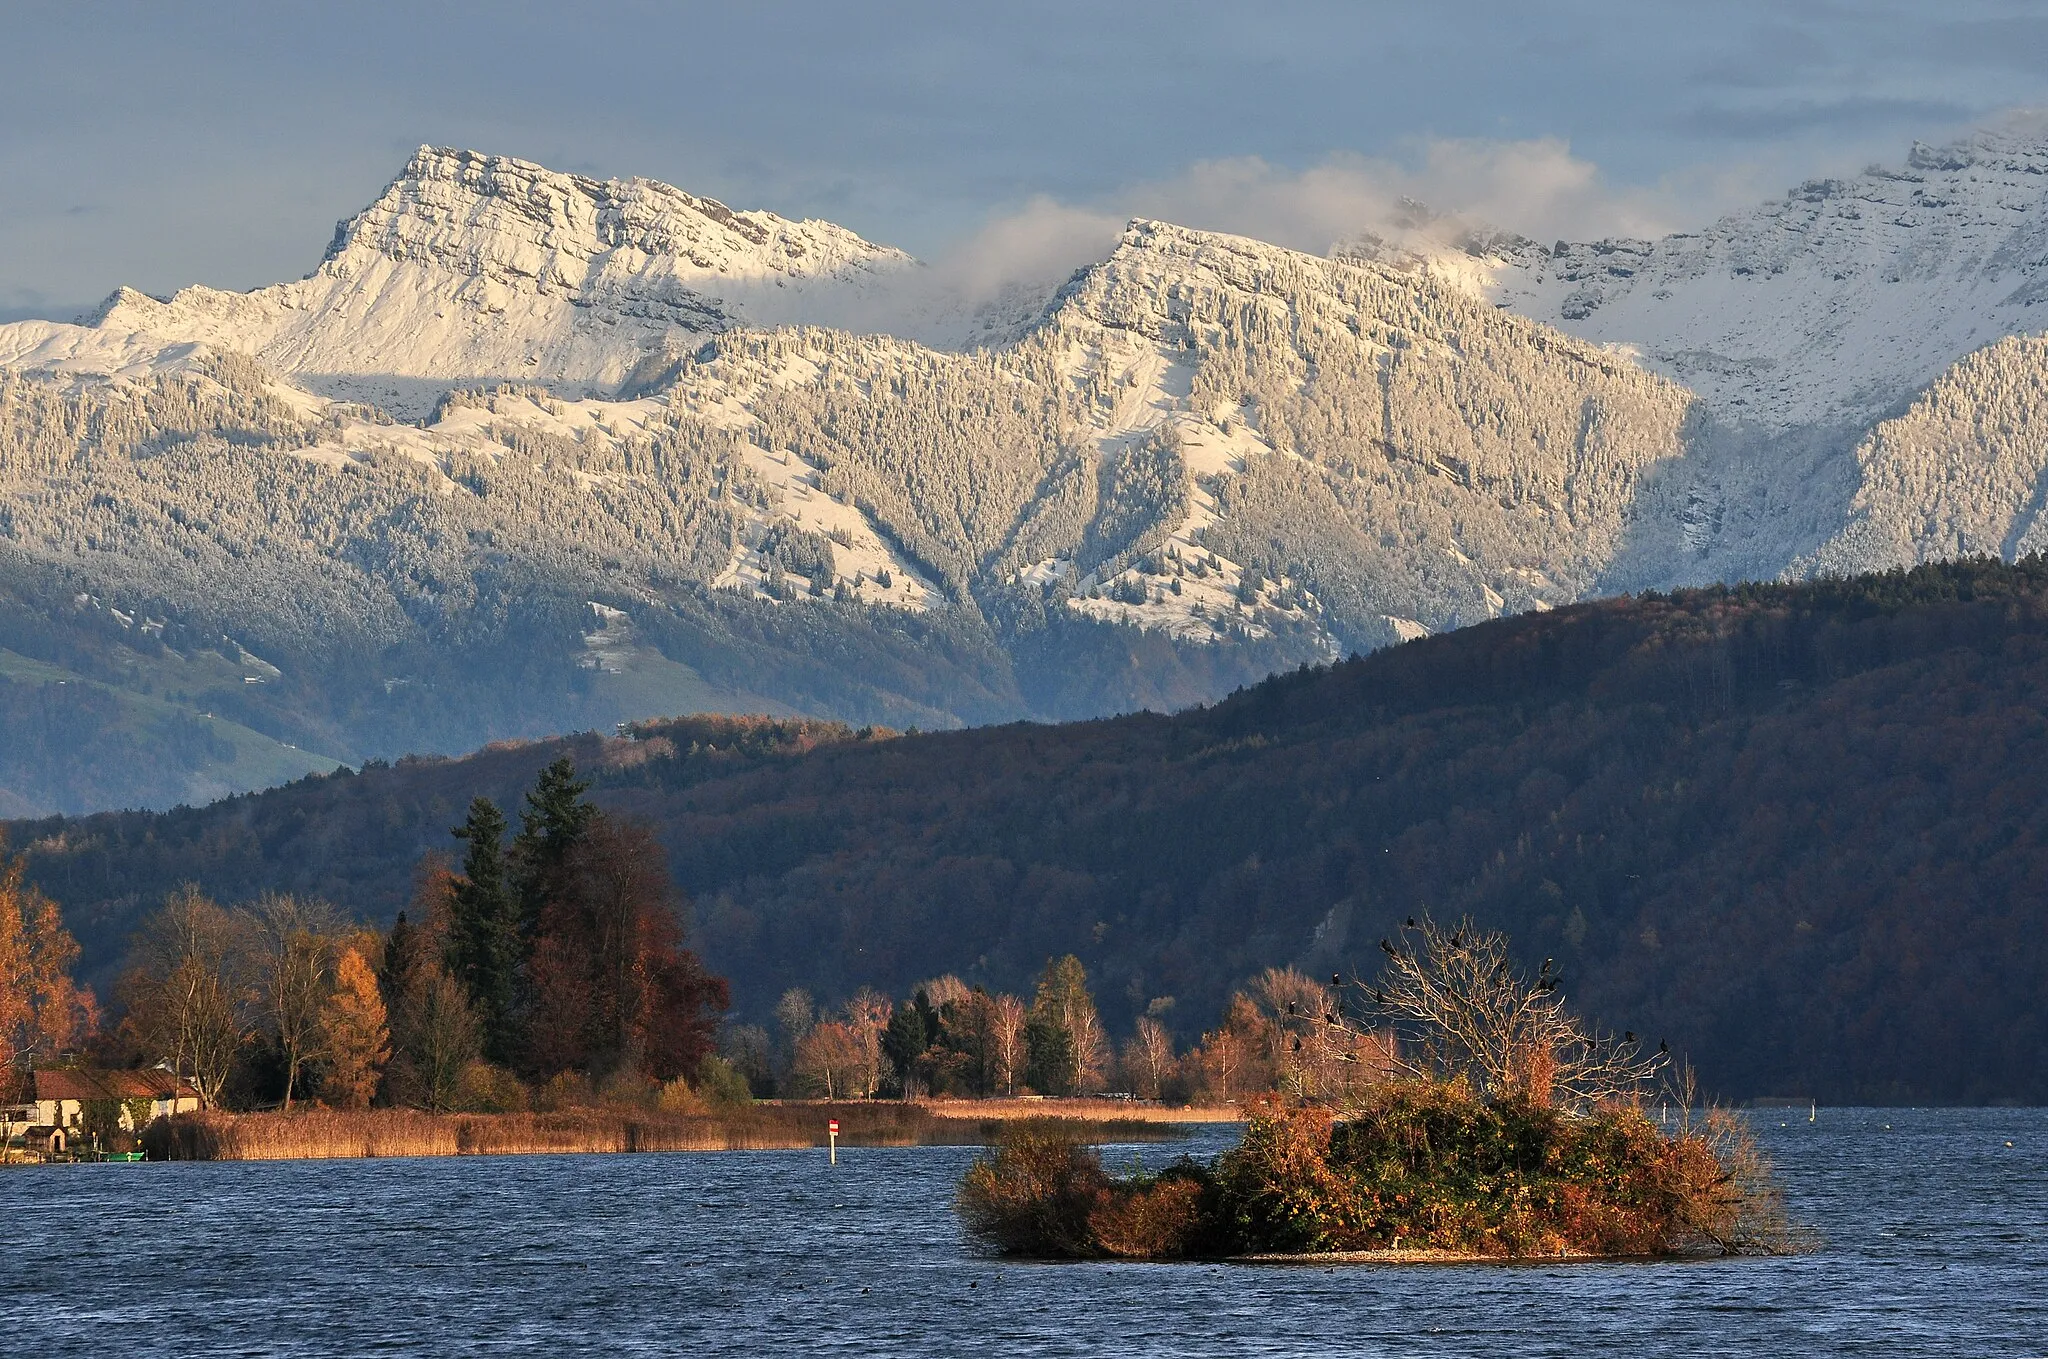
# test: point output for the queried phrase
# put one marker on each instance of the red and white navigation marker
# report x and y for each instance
(832, 1134)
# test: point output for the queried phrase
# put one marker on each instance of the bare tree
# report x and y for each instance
(1230, 1052)
(867, 1014)
(1006, 1018)
(942, 992)
(190, 996)
(834, 1058)
(1463, 1011)
(794, 1016)
(296, 974)
(1148, 1058)
(446, 1036)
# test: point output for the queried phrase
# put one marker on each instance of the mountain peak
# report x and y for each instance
(473, 269)
(470, 209)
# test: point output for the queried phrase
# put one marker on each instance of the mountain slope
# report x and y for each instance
(1796, 830)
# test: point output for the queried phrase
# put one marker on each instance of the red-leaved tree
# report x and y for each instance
(613, 986)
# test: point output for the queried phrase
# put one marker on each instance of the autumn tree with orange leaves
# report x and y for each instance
(42, 1010)
(357, 1032)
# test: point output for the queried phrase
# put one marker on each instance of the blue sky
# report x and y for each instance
(158, 145)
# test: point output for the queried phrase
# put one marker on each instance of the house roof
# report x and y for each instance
(83, 1084)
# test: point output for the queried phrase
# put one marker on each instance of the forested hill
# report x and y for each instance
(1801, 831)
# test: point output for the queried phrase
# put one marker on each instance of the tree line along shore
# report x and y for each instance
(538, 995)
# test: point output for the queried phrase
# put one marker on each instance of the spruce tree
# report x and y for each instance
(555, 818)
(484, 950)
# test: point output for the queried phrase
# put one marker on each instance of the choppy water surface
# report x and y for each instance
(1937, 1243)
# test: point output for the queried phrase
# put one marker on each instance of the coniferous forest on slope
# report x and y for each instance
(1799, 830)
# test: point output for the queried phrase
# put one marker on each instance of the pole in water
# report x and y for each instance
(832, 1136)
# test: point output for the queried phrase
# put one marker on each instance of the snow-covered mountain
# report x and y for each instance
(524, 433)
(474, 269)
(1830, 306)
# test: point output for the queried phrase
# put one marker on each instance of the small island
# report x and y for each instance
(1476, 1118)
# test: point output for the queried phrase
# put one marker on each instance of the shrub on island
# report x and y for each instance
(1498, 1128)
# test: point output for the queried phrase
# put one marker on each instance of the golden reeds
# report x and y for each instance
(330, 1133)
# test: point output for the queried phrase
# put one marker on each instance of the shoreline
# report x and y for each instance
(327, 1134)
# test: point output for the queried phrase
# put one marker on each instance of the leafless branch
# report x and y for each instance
(1461, 1010)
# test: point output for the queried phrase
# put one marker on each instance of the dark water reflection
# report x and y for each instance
(1937, 1244)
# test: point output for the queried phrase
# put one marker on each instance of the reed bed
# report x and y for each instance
(327, 1134)
(1085, 1110)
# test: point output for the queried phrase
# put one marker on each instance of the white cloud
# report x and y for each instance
(1536, 188)
(1042, 242)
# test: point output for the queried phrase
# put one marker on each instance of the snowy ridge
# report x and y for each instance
(1828, 307)
(83, 353)
(472, 269)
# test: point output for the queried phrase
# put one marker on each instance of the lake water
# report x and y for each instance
(1937, 1243)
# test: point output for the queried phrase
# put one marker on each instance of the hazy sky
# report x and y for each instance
(218, 142)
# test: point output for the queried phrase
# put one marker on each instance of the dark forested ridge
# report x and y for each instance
(1799, 830)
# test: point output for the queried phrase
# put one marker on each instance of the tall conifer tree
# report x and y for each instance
(555, 819)
(484, 950)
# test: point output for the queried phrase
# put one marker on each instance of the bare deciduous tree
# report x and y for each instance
(834, 1059)
(190, 995)
(941, 992)
(1006, 1041)
(445, 1037)
(296, 974)
(1229, 1055)
(1463, 1011)
(867, 1014)
(1148, 1058)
